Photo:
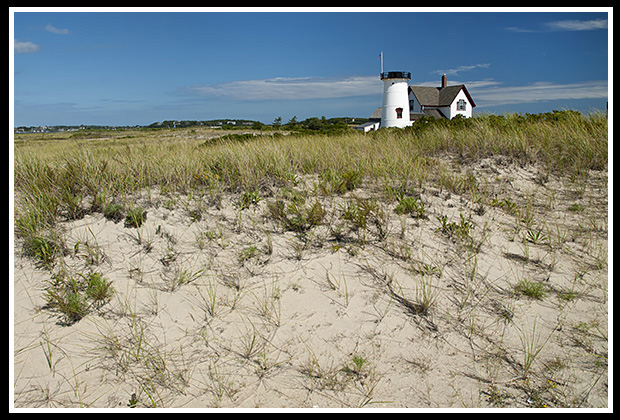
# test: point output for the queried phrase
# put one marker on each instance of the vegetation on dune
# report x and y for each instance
(71, 178)
(457, 226)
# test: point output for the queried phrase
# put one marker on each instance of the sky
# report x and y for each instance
(93, 67)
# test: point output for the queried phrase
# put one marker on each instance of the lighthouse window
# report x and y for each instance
(399, 112)
(461, 105)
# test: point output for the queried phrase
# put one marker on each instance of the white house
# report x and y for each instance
(440, 102)
(369, 126)
(424, 101)
(373, 122)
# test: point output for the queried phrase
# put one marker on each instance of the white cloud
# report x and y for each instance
(459, 69)
(54, 30)
(564, 25)
(577, 25)
(495, 94)
(22, 47)
(279, 88)
(485, 92)
(517, 29)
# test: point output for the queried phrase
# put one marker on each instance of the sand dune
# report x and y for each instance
(228, 308)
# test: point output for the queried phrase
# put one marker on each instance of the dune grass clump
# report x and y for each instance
(295, 215)
(135, 217)
(74, 295)
(412, 206)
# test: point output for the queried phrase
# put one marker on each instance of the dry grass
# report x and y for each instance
(459, 264)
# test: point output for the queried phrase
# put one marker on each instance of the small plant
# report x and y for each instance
(43, 248)
(457, 231)
(195, 215)
(356, 215)
(66, 296)
(412, 206)
(568, 295)
(360, 214)
(576, 208)
(495, 397)
(509, 206)
(114, 212)
(532, 344)
(133, 401)
(248, 198)
(537, 237)
(70, 295)
(343, 181)
(203, 237)
(295, 215)
(135, 217)
(532, 289)
(92, 253)
(247, 253)
(98, 288)
(357, 367)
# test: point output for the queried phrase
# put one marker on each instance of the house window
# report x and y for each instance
(461, 105)
(399, 112)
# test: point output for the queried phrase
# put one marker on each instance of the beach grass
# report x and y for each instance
(451, 263)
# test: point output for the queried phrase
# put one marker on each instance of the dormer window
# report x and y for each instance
(461, 105)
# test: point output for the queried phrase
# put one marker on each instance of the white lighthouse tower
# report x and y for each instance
(395, 110)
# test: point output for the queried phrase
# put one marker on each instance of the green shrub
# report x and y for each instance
(114, 212)
(135, 217)
(296, 215)
(65, 295)
(411, 205)
(73, 296)
(98, 288)
(43, 248)
(532, 289)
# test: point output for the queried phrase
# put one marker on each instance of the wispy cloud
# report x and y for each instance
(577, 25)
(283, 88)
(564, 25)
(23, 47)
(489, 94)
(50, 28)
(486, 92)
(460, 69)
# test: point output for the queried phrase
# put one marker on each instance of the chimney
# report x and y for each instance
(444, 81)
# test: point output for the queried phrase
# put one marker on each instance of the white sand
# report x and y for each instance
(196, 328)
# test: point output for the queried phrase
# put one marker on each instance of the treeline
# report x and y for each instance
(224, 122)
(59, 128)
(320, 125)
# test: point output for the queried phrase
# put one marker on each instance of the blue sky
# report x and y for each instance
(136, 68)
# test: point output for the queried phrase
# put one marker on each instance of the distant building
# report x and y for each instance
(424, 101)
(373, 122)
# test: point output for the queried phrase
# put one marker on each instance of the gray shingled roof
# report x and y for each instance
(429, 112)
(437, 96)
(376, 116)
